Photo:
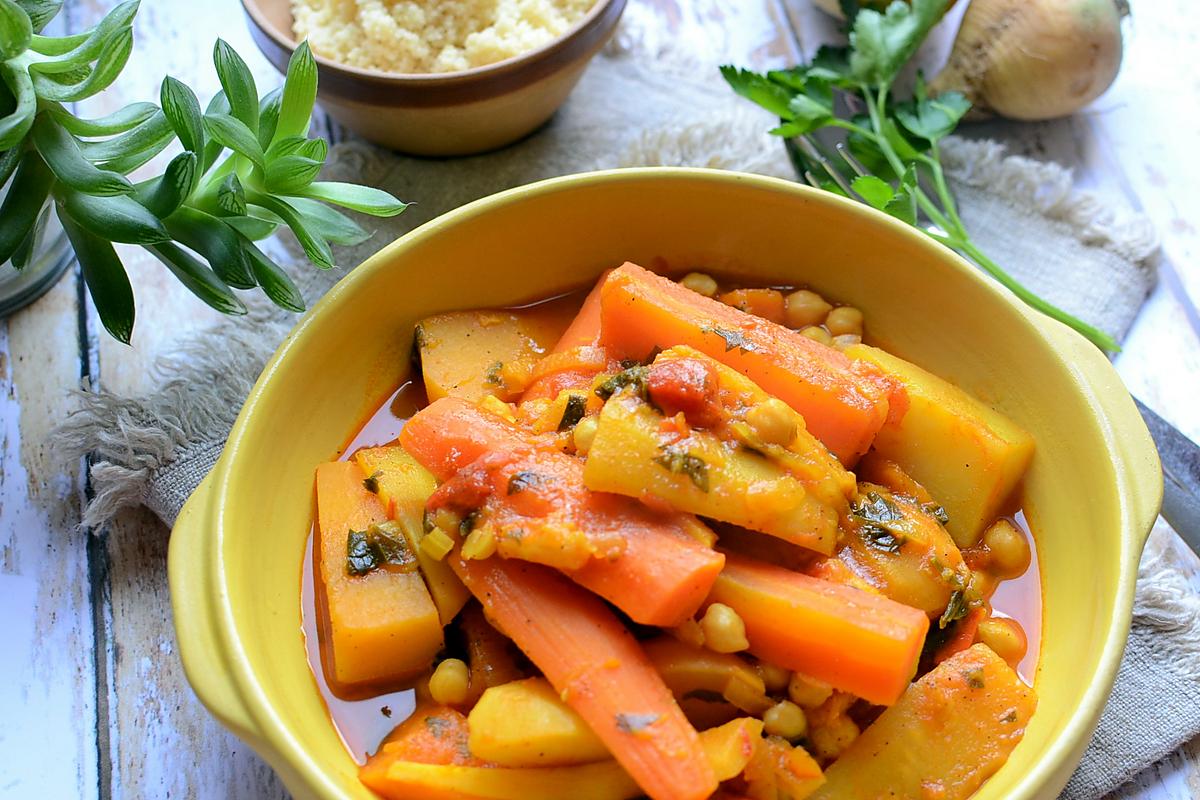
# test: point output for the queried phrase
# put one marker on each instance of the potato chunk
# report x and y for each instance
(969, 456)
(751, 462)
(952, 730)
(526, 724)
(471, 354)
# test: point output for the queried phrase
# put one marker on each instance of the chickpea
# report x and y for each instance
(844, 340)
(808, 692)
(700, 283)
(449, 683)
(773, 420)
(982, 585)
(723, 629)
(830, 740)
(844, 319)
(774, 678)
(583, 434)
(785, 719)
(818, 334)
(804, 308)
(1009, 550)
(447, 520)
(1006, 637)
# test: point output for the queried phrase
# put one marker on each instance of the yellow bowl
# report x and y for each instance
(1093, 490)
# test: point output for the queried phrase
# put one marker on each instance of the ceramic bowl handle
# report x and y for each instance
(1139, 472)
(193, 595)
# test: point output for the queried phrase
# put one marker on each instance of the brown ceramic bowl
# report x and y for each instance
(445, 114)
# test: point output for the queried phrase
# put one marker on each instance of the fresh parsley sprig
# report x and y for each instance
(246, 167)
(897, 142)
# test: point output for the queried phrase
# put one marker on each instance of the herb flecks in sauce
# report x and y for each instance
(734, 340)
(371, 482)
(681, 462)
(381, 545)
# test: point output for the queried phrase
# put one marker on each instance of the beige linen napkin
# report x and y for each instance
(631, 109)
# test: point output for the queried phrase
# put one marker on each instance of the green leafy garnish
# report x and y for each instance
(680, 462)
(881, 538)
(879, 514)
(937, 512)
(381, 545)
(956, 609)
(896, 143)
(574, 411)
(632, 377)
(874, 507)
(246, 167)
(371, 482)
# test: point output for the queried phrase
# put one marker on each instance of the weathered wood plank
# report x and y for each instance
(161, 741)
(47, 671)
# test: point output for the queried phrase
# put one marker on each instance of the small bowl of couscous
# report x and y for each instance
(439, 77)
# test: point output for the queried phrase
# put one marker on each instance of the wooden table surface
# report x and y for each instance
(94, 700)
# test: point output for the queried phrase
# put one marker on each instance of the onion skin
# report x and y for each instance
(1034, 59)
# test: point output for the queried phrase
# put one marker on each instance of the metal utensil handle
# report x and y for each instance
(1180, 458)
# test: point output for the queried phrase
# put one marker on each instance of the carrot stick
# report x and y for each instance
(843, 405)
(450, 433)
(853, 640)
(599, 670)
(652, 565)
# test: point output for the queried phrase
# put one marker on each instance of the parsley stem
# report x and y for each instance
(1092, 333)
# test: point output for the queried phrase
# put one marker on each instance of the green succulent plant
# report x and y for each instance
(246, 168)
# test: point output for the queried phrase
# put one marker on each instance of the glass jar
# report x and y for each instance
(51, 256)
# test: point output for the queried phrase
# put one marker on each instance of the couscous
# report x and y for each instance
(427, 36)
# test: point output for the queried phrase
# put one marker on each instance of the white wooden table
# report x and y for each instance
(93, 701)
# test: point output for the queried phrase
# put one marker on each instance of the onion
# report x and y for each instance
(1034, 59)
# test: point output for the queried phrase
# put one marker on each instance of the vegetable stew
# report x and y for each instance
(675, 539)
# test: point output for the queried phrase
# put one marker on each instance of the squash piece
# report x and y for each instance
(730, 747)
(844, 405)
(406, 780)
(779, 771)
(404, 487)
(855, 641)
(526, 724)
(793, 488)
(969, 456)
(471, 354)
(902, 550)
(952, 729)
(699, 673)
(381, 627)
